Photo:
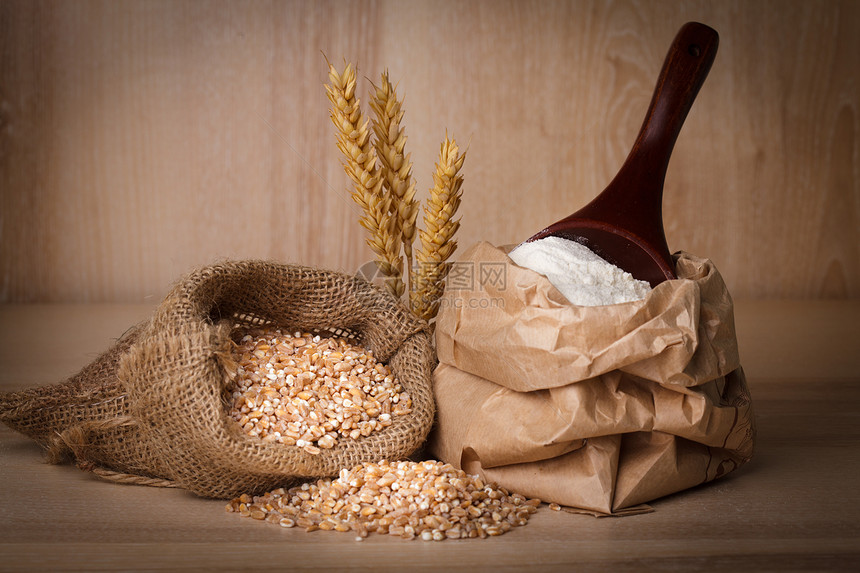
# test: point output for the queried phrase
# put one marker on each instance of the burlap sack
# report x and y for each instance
(151, 410)
(597, 408)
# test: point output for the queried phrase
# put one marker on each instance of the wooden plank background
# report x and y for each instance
(140, 139)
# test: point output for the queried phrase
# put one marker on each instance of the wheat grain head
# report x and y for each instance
(360, 164)
(437, 242)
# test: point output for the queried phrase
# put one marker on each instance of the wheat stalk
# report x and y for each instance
(437, 237)
(396, 164)
(354, 141)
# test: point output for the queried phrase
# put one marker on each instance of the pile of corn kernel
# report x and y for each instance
(309, 391)
(429, 500)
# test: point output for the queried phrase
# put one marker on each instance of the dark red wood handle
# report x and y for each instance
(684, 71)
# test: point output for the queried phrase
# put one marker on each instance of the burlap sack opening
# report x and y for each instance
(151, 409)
(602, 409)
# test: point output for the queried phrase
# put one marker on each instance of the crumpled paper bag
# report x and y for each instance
(601, 409)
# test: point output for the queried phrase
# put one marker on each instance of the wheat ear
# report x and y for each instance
(353, 140)
(395, 163)
(437, 237)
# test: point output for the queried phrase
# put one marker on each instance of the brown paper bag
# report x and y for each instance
(597, 408)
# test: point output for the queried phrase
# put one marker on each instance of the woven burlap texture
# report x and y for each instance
(152, 409)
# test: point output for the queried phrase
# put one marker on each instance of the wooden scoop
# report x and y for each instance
(624, 224)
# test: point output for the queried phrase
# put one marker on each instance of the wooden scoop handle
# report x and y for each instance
(639, 182)
(684, 71)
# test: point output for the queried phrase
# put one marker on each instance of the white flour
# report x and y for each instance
(583, 278)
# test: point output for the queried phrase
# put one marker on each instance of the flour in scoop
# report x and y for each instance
(578, 273)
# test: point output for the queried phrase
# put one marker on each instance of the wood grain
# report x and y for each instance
(141, 139)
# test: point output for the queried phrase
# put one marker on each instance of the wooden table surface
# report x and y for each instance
(794, 507)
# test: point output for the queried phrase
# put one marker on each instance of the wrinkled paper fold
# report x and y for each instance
(596, 408)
